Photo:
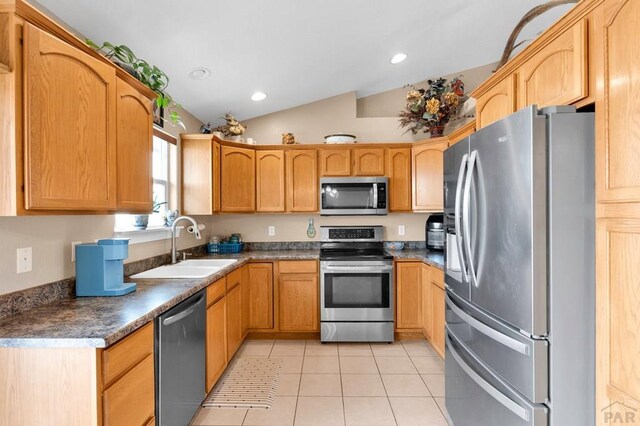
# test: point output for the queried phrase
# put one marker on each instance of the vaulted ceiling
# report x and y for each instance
(299, 51)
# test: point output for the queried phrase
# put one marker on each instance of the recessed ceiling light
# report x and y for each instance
(398, 57)
(258, 96)
(200, 73)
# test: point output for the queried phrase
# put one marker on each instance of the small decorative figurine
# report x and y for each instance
(288, 139)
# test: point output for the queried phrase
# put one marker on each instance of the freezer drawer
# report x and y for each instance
(520, 361)
(474, 396)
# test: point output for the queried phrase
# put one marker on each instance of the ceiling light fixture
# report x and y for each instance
(258, 96)
(200, 73)
(398, 57)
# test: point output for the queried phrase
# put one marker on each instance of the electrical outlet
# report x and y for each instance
(400, 229)
(25, 262)
(73, 250)
(272, 231)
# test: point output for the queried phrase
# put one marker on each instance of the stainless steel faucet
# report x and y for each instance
(196, 232)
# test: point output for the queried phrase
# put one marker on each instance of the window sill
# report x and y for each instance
(139, 236)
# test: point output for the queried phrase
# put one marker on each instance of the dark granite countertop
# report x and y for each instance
(101, 321)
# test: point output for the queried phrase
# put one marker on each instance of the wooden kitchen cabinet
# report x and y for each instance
(409, 295)
(335, 162)
(557, 74)
(438, 308)
(302, 180)
(246, 299)
(134, 149)
(234, 320)
(69, 126)
(270, 184)
(399, 171)
(428, 176)
(131, 400)
(298, 296)
(497, 102)
(427, 303)
(368, 162)
(216, 339)
(237, 179)
(261, 295)
(200, 174)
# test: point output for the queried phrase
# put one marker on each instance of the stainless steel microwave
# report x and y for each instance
(342, 196)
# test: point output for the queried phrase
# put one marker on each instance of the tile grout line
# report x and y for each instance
(384, 387)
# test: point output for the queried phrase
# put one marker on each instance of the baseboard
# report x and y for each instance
(283, 335)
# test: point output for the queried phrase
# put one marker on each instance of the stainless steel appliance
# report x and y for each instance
(343, 196)
(356, 285)
(520, 306)
(180, 361)
(434, 230)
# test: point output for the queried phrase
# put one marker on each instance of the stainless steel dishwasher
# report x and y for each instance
(180, 361)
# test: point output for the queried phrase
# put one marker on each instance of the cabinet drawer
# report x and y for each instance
(124, 355)
(216, 290)
(234, 278)
(131, 399)
(298, 266)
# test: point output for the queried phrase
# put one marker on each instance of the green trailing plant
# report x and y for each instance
(149, 75)
(157, 205)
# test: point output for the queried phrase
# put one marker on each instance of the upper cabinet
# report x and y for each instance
(200, 174)
(368, 161)
(428, 175)
(70, 126)
(302, 180)
(399, 170)
(557, 74)
(497, 102)
(335, 162)
(270, 181)
(617, 106)
(134, 149)
(237, 179)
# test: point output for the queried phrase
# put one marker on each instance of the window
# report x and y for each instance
(164, 184)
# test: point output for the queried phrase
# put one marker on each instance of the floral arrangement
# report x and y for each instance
(431, 108)
(232, 127)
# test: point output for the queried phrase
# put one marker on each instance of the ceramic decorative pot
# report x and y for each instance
(436, 131)
(141, 221)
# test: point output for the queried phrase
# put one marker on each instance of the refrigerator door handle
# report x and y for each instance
(463, 165)
(508, 403)
(486, 330)
(465, 218)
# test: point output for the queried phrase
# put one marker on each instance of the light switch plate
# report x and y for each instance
(401, 230)
(272, 231)
(73, 250)
(25, 262)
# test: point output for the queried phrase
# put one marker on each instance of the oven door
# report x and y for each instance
(356, 291)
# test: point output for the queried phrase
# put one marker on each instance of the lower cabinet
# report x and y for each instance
(261, 295)
(427, 308)
(409, 295)
(298, 296)
(234, 320)
(216, 338)
(438, 306)
(245, 289)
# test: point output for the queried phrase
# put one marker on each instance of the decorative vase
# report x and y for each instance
(234, 138)
(436, 131)
(141, 221)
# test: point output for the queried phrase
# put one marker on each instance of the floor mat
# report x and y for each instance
(249, 383)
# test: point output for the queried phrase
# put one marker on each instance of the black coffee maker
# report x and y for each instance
(434, 232)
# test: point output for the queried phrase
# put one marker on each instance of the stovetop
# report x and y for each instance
(353, 251)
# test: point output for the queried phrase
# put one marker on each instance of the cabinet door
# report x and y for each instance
(246, 298)
(234, 321)
(302, 180)
(399, 169)
(427, 303)
(497, 102)
(617, 106)
(298, 302)
(368, 161)
(216, 342)
(237, 179)
(437, 335)
(335, 162)
(261, 295)
(270, 181)
(69, 126)
(557, 75)
(428, 176)
(131, 399)
(409, 303)
(200, 174)
(617, 316)
(134, 149)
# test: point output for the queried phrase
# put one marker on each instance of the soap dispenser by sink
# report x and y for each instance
(99, 268)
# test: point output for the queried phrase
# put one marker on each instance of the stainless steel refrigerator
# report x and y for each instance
(520, 309)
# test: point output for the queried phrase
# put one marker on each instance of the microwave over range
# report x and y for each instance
(344, 196)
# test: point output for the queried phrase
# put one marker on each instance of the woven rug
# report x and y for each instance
(249, 383)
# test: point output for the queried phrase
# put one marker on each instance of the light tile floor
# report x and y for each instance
(345, 384)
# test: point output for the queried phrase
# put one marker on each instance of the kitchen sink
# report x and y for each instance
(196, 268)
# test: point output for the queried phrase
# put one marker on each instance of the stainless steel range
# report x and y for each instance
(356, 285)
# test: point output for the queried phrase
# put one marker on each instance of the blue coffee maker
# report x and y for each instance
(99, 268)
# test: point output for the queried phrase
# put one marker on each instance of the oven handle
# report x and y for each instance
(355, 269)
